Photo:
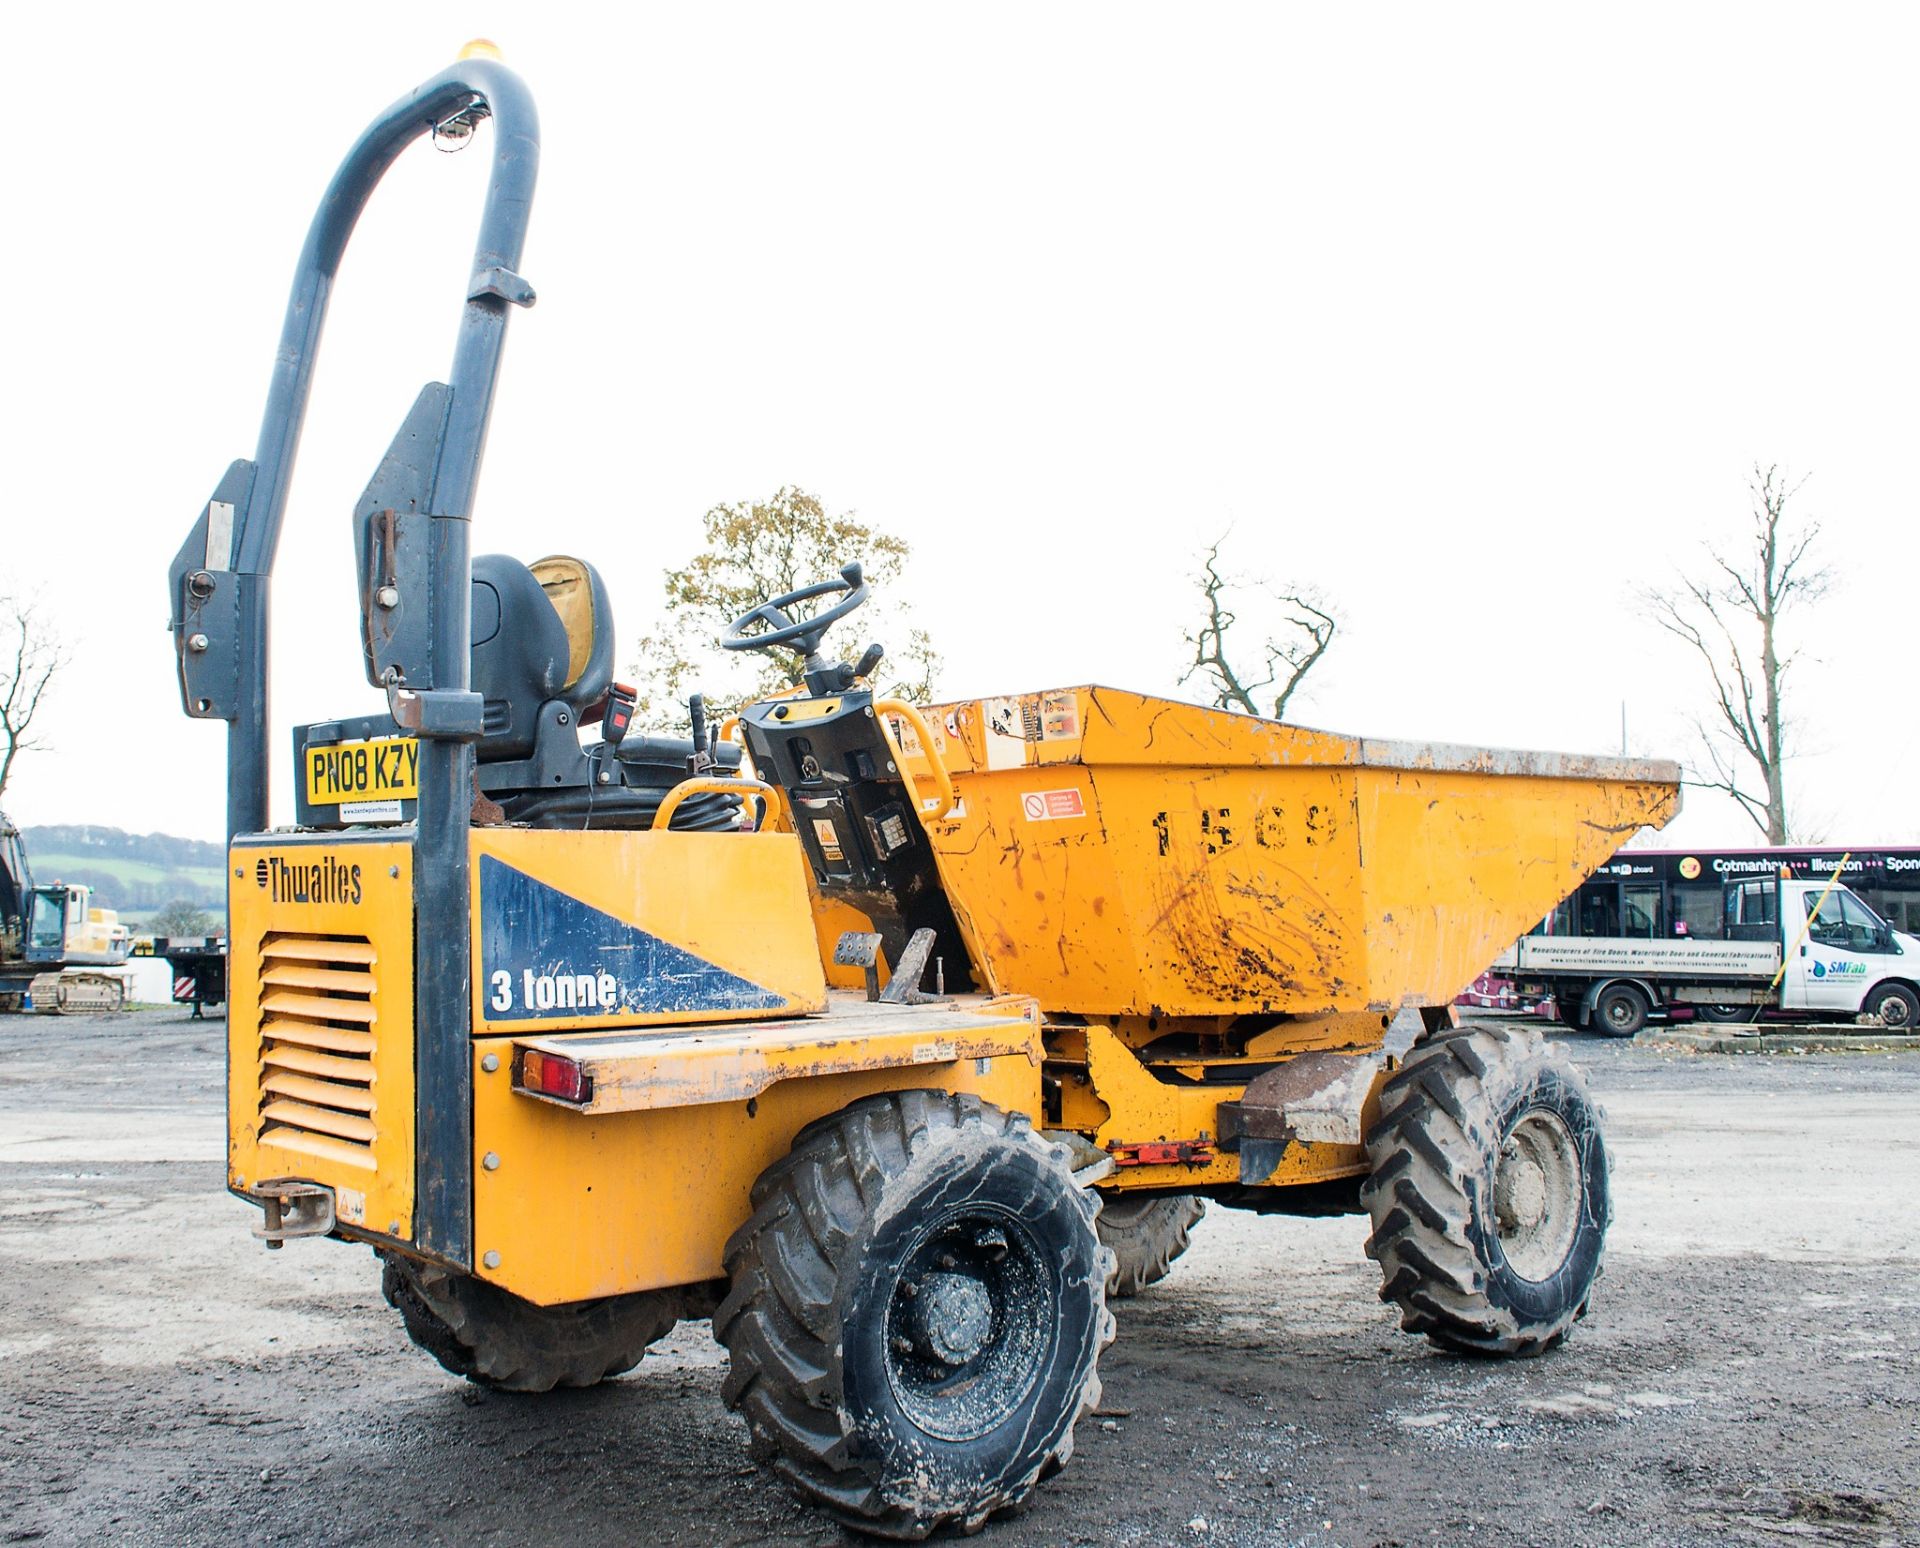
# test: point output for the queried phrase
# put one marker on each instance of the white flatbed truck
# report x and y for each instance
(1809, 947)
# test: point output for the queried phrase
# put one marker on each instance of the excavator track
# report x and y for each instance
(67, 994)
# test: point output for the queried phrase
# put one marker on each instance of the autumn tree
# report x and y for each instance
(31, 656)
(1257, 679)
(762, 549)
(1730, 615)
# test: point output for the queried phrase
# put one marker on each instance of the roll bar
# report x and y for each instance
(417, 613)
(218, 581)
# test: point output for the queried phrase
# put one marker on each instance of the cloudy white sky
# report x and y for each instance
(1476, 320)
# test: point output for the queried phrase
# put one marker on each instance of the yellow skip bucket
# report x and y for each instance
(1115, 854)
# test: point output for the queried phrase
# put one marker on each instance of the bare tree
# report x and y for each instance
(30, 657)
(1285, 661)
(1731, 617)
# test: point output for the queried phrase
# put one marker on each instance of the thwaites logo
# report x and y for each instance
(325, 880)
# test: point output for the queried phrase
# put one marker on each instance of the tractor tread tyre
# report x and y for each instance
(811, 1318)
(495, 1339)
(1146, 1235)
(1435, 1149)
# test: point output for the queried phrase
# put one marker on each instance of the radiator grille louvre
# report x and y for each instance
(317, 1017)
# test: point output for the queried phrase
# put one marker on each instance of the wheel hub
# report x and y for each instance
(953, 1317)
(1521, 1193)
(1538, 1193)
(969, 1322)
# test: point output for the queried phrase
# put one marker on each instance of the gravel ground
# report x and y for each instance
(1750, 1373)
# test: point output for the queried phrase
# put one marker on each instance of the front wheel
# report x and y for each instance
(916, 1310)
(1726, 1015)
(1489, 1192)
(1896, 1005)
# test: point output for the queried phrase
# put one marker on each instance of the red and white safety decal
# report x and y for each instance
(183, 988)
(1047, 805)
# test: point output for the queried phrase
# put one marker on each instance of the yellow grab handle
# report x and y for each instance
(943, 782)
(711, 784)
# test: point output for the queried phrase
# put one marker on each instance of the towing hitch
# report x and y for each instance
(293, 1209)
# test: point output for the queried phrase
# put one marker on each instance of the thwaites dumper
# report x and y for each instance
(538, 1011)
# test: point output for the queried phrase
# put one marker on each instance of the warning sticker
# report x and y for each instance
(829, 837)
(1047, 805)
(1059, 717)
(1006, 734)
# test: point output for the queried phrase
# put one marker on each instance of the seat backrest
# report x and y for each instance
(579, 596)
(540, 633)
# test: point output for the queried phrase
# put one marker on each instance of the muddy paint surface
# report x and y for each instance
(1750, 1374)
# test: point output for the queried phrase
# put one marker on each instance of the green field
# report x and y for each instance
(132, 886)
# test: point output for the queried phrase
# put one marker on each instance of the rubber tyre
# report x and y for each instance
(1145, 1235)
(496, 1339)
(1896, 1005)
(1436, 1149)
(839, 1400)
(1726, 1015)
(1620, 1011)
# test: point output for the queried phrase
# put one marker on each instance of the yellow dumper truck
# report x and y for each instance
(892, 1038)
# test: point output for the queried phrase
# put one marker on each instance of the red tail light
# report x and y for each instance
(553, 1076)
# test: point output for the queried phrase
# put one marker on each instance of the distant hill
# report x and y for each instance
(131, 872)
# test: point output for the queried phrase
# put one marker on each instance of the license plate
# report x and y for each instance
(383, 770)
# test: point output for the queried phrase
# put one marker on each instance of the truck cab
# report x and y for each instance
(1840, 954)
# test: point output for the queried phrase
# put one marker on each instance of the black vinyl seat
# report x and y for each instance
(543, 643)
(542, 633)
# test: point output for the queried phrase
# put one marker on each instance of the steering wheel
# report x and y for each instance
(806, 634)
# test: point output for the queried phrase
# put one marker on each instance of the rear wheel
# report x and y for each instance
(1896, 1006)
(1489, 1192)
(1146, 1235)
(916, 1311)
(496, 1339)
(1725, 1015)
(1620, 1011)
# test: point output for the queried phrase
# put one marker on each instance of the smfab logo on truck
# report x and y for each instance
(1839, 969)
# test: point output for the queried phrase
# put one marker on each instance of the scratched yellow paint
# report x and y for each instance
(588, 1204)
(1115, 854)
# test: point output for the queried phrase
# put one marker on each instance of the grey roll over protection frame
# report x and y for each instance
(219, 592)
